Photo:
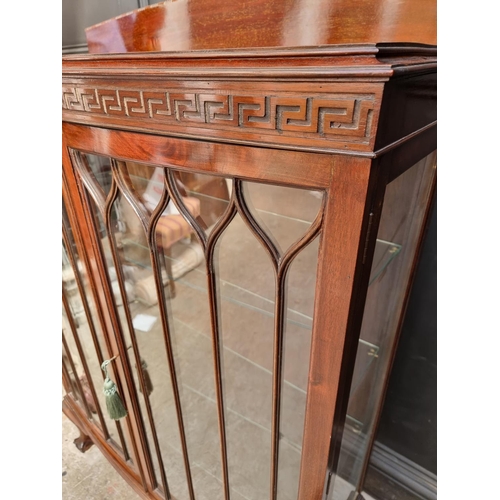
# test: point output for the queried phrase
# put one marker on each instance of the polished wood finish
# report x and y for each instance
(264, 165)
(206, 25)
(250, 92)
(83, 442)
(341, 288)
(416, 96)
(318, 99)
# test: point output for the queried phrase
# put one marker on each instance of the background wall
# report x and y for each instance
(80, 14)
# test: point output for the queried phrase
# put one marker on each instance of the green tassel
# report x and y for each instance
(114, 403)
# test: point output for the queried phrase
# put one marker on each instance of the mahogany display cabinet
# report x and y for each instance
(240, 232)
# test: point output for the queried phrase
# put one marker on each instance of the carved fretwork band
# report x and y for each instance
(340, 117)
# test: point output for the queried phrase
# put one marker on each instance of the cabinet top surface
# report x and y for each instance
(291, 74)
(186, 25)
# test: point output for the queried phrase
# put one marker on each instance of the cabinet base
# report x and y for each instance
(126, 469)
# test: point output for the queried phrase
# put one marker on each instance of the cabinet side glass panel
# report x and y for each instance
(403, 212)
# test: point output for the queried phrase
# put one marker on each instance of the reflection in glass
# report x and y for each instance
(99, 168)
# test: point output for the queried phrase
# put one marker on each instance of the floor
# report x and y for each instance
(246, 296)
(89, 476)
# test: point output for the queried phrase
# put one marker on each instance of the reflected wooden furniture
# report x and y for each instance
(335, 98)
(171, 227)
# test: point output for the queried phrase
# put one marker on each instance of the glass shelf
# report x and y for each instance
(385, 251)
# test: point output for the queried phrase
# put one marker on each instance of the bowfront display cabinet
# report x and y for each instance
(240, 231)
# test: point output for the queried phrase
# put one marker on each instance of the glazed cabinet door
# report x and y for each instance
(224, 276)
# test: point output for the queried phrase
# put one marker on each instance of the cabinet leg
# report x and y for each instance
(83, 442)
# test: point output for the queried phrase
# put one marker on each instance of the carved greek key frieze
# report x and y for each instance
(344, 116)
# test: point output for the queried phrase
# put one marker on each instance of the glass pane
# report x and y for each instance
(205, 196)
(297, 348)
(247, 339)
(408, 424)
(403, 211)
(99, 168)
(212, 193)
(180, 255)
(284, 213)
(189, 328)
(247, 294)
(71, 361)
(181, 323)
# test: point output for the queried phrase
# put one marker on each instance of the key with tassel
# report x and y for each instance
(114, 403)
